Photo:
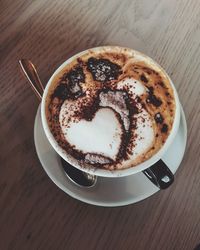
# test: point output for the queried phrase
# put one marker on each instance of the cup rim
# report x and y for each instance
(104, 172)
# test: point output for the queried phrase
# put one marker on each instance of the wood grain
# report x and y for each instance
(34, 213)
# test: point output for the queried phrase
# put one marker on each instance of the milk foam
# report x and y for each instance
(144, 131)
(102, 135)
(133, 86)
(145, 134)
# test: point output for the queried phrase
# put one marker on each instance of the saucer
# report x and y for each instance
(108, 192)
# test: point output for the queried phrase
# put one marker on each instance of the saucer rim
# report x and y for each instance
(76, 196)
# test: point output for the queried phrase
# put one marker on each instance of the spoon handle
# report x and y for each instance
(29, 71)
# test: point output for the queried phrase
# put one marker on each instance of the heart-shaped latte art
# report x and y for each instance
(101, 139)
(102, 135)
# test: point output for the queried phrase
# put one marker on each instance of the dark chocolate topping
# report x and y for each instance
(74, 76)
(143, 78)
(158, 118)
(164, 128)
(69, 86)
(150, 90)
(103, 69)
(162, 84)
(61, 91)
(154, 100)
(88, 112)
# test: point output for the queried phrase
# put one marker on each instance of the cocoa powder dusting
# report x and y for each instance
(105, 74)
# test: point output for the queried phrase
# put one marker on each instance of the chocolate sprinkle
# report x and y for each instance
(164, 128)
(150, 90)
(158, 118)
(103, 69)
(74, 76)
(162, 84)
(69, 86)
(143, 78)
(154, 100)
(61, 92)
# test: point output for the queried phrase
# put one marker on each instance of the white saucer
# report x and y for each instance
(108, 192)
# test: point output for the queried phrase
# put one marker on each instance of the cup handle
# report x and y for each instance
(160, 175)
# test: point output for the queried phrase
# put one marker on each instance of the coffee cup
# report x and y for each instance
(153, 167)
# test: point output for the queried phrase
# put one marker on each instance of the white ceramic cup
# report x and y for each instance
(103, 172)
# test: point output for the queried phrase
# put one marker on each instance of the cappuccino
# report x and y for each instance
(111, 108)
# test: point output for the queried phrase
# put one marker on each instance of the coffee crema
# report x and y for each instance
(111, 108)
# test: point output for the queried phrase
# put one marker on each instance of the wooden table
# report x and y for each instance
(34, 213)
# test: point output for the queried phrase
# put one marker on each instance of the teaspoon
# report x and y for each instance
(77, 176)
